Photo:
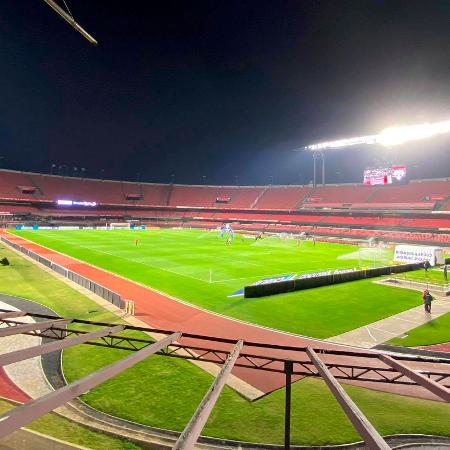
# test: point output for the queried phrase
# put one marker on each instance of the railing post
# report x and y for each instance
(288, 369)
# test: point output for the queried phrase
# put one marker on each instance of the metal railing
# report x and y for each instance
(96, 288)
(331, 365)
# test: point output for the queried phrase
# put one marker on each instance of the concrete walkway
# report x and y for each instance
(381, 331)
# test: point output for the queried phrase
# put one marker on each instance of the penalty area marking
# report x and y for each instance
(157, 267)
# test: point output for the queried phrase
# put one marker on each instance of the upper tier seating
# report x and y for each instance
(411, 193)
(340, 194)
(203, 196)
(10, 183)
(416, 195)
(282, 197)
(240, 197)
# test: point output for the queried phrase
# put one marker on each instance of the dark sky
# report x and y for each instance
(221, 88)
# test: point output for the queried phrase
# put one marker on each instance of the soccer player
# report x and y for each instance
(136, 242)
(223, 230)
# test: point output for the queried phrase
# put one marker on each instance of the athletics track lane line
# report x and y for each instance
(161, 311)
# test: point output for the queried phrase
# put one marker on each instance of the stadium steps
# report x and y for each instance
(258, 198)
(302, 201)
(168, 195)
(371, 195)
(443, 205)
(38, 192)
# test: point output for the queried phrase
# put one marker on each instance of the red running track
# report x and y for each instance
(164, 312)
(444, 347)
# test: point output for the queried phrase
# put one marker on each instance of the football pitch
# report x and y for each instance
(198, 267)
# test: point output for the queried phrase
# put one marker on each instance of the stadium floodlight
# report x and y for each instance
(400, 135)
(388, 137)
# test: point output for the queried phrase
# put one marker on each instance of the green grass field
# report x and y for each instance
(178, 262)
(435, 332)
(164, 392)
(433, 276)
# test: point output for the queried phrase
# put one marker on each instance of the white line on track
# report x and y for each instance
(370, 334)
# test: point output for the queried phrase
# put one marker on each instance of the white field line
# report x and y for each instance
(383, 331)
(199, 308)
(370, 334)
(238, 260)
(410, 321)
(134, 261)
(160, 268)
(157, 267)
(245, 278)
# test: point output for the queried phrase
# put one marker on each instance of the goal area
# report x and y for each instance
(119, 226)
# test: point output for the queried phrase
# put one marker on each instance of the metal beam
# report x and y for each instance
(427, 383)
(27, 327)
(70, 20)
(288, 369)
(23, 415)
(190, 434)
(365, 429)
(31, 352)
(12, 314)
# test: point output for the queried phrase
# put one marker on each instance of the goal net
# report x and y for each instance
(119, 226)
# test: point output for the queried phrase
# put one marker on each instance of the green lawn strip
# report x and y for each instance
(434, 276)
(163, 394)
(60, 428)
(169, 259)
(433, 332)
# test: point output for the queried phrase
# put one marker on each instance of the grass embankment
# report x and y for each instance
(438, 330)
(178, 262)
(432, 276)
(435, 332)
(164, 392)
(66, 430)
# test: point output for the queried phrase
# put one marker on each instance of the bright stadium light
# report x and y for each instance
(399, 135)
(388, 137)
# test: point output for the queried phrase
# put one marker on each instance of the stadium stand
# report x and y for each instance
(416, 211)
(282, 197)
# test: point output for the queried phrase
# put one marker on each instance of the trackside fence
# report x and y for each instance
(107, 294)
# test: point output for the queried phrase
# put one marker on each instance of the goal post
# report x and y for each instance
(119, 226)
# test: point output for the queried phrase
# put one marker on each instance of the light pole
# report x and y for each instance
(236, 178)
(51, 168)
(317, 154)
(322, 154)
(204, 179)
(270, 180)
(314, 169)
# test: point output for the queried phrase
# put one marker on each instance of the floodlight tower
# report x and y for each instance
(319, 154)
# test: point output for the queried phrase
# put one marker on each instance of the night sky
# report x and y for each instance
(221, 89)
